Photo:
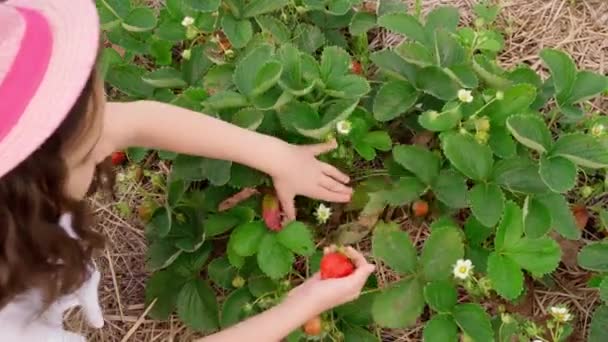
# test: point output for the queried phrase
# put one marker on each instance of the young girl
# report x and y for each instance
(55, 133)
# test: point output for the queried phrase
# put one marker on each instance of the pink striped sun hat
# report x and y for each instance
(47, 51)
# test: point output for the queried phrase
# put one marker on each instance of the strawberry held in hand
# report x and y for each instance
(271, 212)
(118, 158)
(336, 265)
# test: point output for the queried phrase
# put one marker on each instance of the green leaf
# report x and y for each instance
(400, 305)
(335, 62)
(216, 171)
(394, 247)
(219, 78)
(531, 131)
(195, 68)
(464, 75)
(297, 237)
(537, 218)
(404, 24)
(220, 223)
(119, 8)
(257, 7)
(501, 142)
(109, 57)
(163, 287)
(519, 174)
(420, 161)
(379, 140)
(160, 222)
(594, 257)
(127, 79)
(583, 150)
(347, 87)
(516, 100)
(558, 173)
(474, 321)
(538, 256)
(435, 81)
(489, 73)
(248, 118)
(274, 259)
(226, 99)
(238, 32)
(448, 50)
(232, 310)
(140, 19)
(404, 191)
(246, 72)
(221, 272)
(247, 237)
(487, 203)
(449, 118)
(275, 27)
(476, 233)
(415, 53)
(443, 17)
(587, 85)
(394, 98)
(510, 229)
(391, 6)
(202, 5)
(359, 311)
(441, 296)
(391, 64)
(162, 52)
(562, 219)
(563, 70)
(260, 285)
(451, 189)
(267, 77)
(361, 23)
(468, 156)
(506, 276)
(440, 328)
(197, 306)
(164, 78)
(358, 334)
(604, 289)
(441, 250)
(309, 38)
(597, 328)
(337, 111)
(171, 31)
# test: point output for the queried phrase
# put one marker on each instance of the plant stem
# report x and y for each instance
(418, 8)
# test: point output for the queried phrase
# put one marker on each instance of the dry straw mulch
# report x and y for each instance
(579, 27)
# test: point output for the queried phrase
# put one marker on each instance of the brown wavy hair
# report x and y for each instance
(35, 251)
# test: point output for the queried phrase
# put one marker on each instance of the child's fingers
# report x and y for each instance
(334, 173)
(356, 256)
(330, 196)
(287, 205)
(322, 148)
(335, 186)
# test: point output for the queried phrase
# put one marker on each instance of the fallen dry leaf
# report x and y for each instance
(570, 249)
(581, 215)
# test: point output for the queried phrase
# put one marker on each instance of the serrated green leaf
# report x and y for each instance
(475, 232)
(275, 27)
(474, 321)
(246, 238)
(358, 334)
(404, 191)
(435, 81)
(415, 53)
(604, 289)
(400, 305)
(247, 69)
(221, 272)
(597, 329)
(516, 100)
(558, 173)
(594, 257)
(448, 51)
(226, 99)
(297, 237)
(464, 75)
(420, 161)
(109, 57)
(347, 87)
(394, 247)
(267, 76)
(162, 52)
(519, 174)
(119, 8)
(164, 78)
(506, 276)
(450, 117)
(538, 256)
(562, 219)
(443, 17)
(127, 79)
(171, 31)
(440, 328)
(531, 131)
(510, 229)
(487, 203)
(216, 171)
(197, 306)
(238, 32)
(586, 85)
(361, 23)
(502, 143)
(163, 287)
(583, 150)
(160, 222)
(488, 73)
(309, 38)
(441, 250)
(195, 68)
(337, 111)
(441, 296)
(404, 24)
(393, 99)
(335, 63)
(140, 19)
(563, 70)
(379, 140)
(537, 218)
(468, 156)
(274, 259)
(248, 118)
(232, 310)
(258, 7)
(451, 189)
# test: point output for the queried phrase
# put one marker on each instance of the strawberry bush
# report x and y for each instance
(496, 154)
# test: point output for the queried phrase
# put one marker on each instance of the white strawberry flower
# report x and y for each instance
(560, 313)
(186, 54)
(462, 269)
(465, 96)
(188, 21)
(597, 130)
(323, 213)
(343, 127)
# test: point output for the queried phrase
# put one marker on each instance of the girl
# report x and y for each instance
(55, 133)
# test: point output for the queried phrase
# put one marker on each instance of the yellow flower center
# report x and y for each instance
(462, 269)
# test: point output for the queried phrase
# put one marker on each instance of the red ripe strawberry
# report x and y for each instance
(355, 68)
(336, 265)
(271, 212)
(313, 327)
(420, 208)
(119, 158)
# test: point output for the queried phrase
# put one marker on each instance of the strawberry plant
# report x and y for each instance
(503, 150)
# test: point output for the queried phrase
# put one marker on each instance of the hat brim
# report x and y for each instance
(75, 28)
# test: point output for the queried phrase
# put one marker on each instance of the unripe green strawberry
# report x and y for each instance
(238, 282)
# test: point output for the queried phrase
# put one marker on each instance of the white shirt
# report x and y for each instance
(20, 320)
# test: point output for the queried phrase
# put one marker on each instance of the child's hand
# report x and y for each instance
(298, 172)
(329, 293)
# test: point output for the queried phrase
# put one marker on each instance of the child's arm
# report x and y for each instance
(304, 302)
(295, 169)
